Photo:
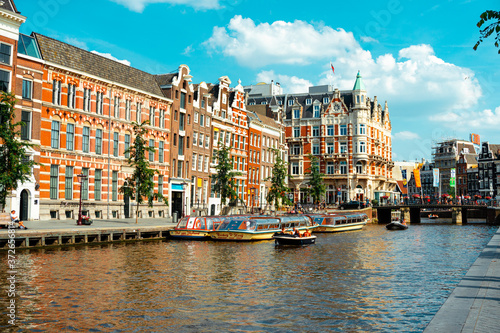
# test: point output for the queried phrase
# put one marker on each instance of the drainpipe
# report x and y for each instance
(109, 144)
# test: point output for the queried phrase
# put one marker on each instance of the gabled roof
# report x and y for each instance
(165, 79)
(81, 60)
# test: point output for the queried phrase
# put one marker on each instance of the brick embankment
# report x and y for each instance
(474, 305)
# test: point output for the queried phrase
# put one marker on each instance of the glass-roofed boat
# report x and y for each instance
(259, 228)
(340, 222)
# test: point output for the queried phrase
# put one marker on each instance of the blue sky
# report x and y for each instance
(417, 55)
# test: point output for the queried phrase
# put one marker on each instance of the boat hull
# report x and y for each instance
(190, 234)
(241, 235)
(396, 226)
(340, 228)
(291, 240)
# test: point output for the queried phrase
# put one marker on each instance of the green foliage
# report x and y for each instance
(374, 202)
(15, 165)
(278, 190)
(493, 28)
(224, 182)
(140, 185)
(316, 186)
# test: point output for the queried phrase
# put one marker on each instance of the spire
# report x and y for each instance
(359, 85)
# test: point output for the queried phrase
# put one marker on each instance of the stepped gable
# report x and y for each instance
(84, 61)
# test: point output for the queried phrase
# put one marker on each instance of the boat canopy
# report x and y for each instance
(249, 224)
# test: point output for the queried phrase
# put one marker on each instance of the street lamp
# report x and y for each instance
(81, 178)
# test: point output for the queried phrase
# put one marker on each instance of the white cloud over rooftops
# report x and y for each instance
(139, 5)
(109, 56)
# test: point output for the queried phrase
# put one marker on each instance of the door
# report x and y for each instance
(212, 210)
(24, 208)
(126, 208)
(177, 203)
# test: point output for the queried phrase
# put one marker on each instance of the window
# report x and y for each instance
(296, 132)
(290, 102)
(202, 120)
(86, 99)
(295, 168)
(183, 100)
(54, 142)
(86, 139)
(162, 119)
(207, 141)
(196, 115)
(27, 89)
(330, 169)
(296, 150)
(202, 103)
(343, 167)
(329, 130)
(315, 131)
(98, 141)
(296, 113)
(71, 96)
(308, 101)
(114, 186)
(97, 184)
(138, 111)
(343, 147)
(195, 139)
(182, 122)
(315, 148)
(128, 102)
(56, 92)
(200, 163)
(362, 147)
(160, 187)
(26, 128)
(175, 139)
(152, 115)
(362, 129)
(326, 100)
(343, 129)
(151, 150)
(5, 52)
(127, 145)
(4, 81)
(116, 138)
(194, 161)
(181, 145)
(68, 183)
(70, 136)
(116, 107)
(316, 111)
(54, 181)
(85, 184)
(201, 138)
(359, 168)
(329, 148)
(206, 163)
(179, 169)
(160, 151)
(99, 103)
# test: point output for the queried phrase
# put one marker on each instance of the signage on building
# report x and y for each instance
(435, 176)
(475, 138)
(405, 182)
(452, 177)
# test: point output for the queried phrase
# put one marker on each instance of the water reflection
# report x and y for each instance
(371, 280)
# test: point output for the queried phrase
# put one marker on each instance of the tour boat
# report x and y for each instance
(287, 239)
(340, 222)
(196, 227)
(253, 228)
(433, 216)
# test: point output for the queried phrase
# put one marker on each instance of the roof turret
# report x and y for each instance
(359, 85)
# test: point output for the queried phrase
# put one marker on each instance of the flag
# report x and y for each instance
(333, 69)
(403, 173)
(435, 175)
(416, 174)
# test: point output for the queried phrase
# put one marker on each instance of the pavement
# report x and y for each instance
(474, 305)
(50, 225)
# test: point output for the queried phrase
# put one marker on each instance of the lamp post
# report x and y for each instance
(81, 178)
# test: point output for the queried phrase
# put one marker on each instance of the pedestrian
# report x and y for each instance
(13, 216)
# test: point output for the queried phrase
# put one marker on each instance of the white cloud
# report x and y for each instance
(406, 135)
(139, 5)
(367, 39)
(470, 120)
(293, 84)
(76, 42)
(109, 56)
(282, 42)
(188, 50)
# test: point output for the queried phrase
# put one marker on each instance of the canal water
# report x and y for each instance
(372, 280)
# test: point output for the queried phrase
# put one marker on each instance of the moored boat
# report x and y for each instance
(340, 222)
(255, 228)
(433, 216)
(396, 223)
(196, 227)
(293, 240)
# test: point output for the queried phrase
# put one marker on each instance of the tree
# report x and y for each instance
(15, 165)
(316, 186)
(278, 190)
(140, 185)
(224, 183)
(492, 28)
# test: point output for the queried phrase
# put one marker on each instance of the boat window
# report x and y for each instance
(202, 223)
(182, 223)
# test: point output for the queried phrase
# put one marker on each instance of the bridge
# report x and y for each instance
(459, 213)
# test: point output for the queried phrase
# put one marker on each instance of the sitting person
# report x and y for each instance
(306, 233)
(296, 232)
(21, 225)
(282, 232)
(13, 216)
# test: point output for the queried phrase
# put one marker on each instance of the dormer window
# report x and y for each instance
(263, 102)
(280, 102)
(290, 102)
(308, 101)
(296, 114)
(326, 100)
(316, 112)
